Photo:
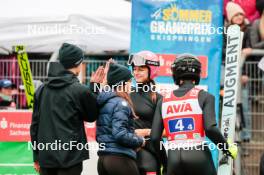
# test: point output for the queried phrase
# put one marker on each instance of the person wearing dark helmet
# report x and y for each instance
(188, 116)
(145, 65)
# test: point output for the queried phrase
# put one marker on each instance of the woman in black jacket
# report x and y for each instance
(145, 66)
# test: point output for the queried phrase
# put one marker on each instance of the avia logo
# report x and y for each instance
(3, 123)
(184, 107)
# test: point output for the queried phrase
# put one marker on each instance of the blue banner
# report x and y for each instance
(173, 27)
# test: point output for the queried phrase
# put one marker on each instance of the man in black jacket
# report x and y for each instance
(57, 129)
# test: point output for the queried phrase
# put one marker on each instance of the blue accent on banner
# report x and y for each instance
(176, 27)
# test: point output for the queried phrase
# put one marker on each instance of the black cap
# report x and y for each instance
(70, 55)
(118, 74)
(6, 84)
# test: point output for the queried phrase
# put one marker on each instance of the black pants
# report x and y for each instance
(116, 165)
(147, 162)
(190, 162)
(74, 170)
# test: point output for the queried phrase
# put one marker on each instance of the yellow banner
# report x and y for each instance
(26, 74)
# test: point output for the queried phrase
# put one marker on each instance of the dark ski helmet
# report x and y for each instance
(186, 67)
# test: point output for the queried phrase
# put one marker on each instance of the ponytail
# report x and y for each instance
(153, 94)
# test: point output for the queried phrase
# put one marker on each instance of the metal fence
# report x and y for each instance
(254, 120)
(10, 70)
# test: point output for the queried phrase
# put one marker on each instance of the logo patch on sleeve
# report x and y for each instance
(124, 103)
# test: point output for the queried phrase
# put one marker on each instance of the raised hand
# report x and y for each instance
(98, 76)
(106, 70)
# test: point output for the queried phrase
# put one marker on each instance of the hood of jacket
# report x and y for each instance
(103, 97)
(59, 77)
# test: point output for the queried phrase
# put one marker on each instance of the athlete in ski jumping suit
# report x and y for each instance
(188, 116)
(145, 66)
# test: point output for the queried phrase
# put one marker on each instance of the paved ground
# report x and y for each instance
(90, 166)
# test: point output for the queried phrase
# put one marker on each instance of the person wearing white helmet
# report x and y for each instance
(145, 66)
